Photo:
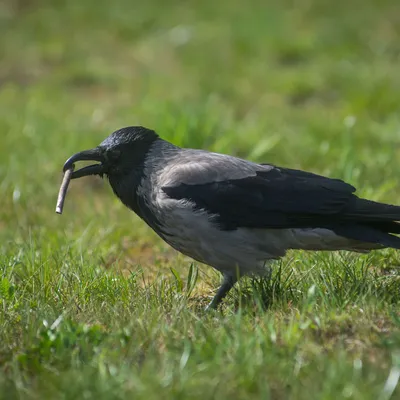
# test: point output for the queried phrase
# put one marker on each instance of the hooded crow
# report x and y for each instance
(233, 214)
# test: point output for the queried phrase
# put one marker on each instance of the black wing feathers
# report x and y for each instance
(271, 199)
(286, 198)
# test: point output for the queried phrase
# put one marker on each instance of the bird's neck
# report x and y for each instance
(134, 187)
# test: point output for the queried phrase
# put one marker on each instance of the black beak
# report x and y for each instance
(87, 155)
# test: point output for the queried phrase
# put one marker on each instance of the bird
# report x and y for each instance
(235, 215)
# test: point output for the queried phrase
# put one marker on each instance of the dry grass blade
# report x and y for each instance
(63, 190)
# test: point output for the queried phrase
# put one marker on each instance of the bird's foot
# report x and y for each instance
(225, 287)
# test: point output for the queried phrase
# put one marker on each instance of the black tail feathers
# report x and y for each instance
(372, 222)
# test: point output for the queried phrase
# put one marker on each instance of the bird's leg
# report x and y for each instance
(227, 284)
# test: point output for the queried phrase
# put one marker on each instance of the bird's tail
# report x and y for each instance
(369, 221)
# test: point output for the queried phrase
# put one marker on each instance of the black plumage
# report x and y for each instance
(284, 198)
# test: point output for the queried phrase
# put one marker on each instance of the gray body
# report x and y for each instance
(192, 231)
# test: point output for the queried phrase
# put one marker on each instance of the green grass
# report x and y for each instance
(93, 304)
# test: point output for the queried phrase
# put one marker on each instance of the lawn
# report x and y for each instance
(93, 305)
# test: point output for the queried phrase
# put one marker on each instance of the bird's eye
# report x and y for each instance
(114, 154)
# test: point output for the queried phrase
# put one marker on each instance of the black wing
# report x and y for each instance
(286, 198)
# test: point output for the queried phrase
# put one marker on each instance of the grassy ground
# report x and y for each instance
(93, 304)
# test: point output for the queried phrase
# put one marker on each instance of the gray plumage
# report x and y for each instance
(232, 214)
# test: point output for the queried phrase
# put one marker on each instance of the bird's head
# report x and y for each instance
(119, 154)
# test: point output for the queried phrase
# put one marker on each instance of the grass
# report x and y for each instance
(93, 304)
